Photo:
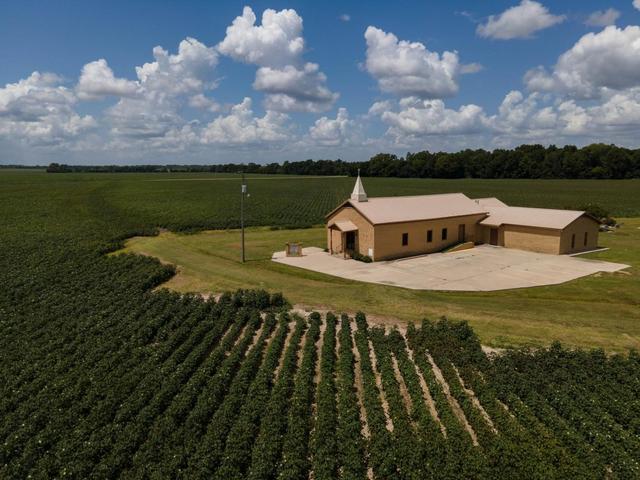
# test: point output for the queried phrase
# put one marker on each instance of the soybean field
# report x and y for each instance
(242, 388)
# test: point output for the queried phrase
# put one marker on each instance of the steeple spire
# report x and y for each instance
(358, 194)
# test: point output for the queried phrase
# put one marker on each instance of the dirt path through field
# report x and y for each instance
(357, 370)
(404, 392)
(319, 345)
(291, 328)
(300, 353)
(243, 332)
(256, 337)
(316, 375)
(426, 394)
(455, 406)
(383, 397)
(270, 339)
(474, 400)
(506, 408)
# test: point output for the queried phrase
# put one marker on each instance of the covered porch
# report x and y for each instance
(343, 238)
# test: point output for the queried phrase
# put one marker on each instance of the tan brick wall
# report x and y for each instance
(544, 240)
(534, 239)
(388, 237)
(578, 228)
(336, 244)
(364, 238)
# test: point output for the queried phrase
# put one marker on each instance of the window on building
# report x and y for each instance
(444, 234)
(586, 236)
(573, 241)
(405, 239)
(429, 236)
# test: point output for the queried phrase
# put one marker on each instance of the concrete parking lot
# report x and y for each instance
(483, 268)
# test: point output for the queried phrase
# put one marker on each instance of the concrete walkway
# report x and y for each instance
(483, 268)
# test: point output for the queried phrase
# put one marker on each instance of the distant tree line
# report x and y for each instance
(525, 161)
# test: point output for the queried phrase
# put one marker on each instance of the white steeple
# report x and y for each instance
(358, 194)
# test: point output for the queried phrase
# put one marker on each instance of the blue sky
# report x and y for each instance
(428, 75)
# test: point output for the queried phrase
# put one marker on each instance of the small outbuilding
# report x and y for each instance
(385, 228)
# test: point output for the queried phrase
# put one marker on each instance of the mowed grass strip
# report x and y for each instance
(602, 310)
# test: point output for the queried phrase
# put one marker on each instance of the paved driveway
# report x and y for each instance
(483, 268)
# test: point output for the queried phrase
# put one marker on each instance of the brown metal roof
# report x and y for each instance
(344, 225)
(531, 217)
(413, 208)
(500, 214)
(380, 210)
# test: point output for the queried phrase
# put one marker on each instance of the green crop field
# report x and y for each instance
(193, 201)
(105, 375)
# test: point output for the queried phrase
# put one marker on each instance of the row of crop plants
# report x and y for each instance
(324, 441)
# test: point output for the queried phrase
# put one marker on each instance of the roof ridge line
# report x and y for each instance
(424, 195)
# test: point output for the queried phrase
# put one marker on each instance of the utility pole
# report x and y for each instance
(243, 191)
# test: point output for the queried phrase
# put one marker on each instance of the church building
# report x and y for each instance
(386, 228)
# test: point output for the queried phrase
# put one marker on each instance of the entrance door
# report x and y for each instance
(350, 241)
(461, 233)
(493, 236)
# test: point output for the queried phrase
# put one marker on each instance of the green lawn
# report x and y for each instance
(602, 310)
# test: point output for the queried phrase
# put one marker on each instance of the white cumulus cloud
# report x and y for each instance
(543, 118)
(603, 18)
(332, 131)
(241, 127)
(607, 60)
(201, 102)
(190, 70)
(154, 111)
(521, 21)
(276, 42)
(519, 118)
(420, 118)
(470, 68)
(39, 110)
(276, 47)
(143, 118)
(621, 110)
(523, 115)
(97, 80)
(293, 89)
(378, 108)
(408, 68)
